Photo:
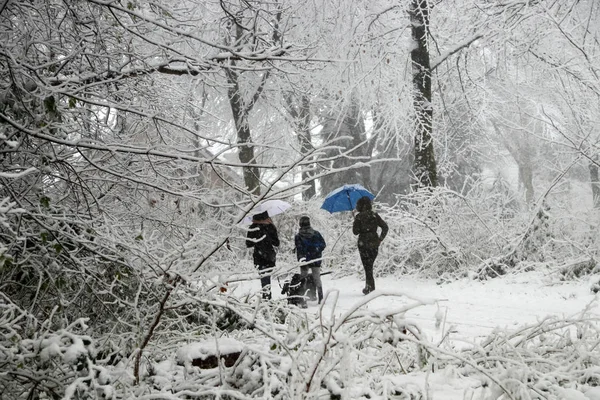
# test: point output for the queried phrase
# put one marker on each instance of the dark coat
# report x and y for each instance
(309, 245)
(365, 226)
(263, 238)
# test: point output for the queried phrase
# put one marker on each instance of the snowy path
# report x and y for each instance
(472, 309)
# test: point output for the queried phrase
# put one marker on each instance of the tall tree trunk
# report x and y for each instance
(595, 182)
(241, 105)
(347, 128)
(521, 152)
(392, 177)
(356, 121)
(425, 168)
(306, 146)
(246, 153)
(301, 115)
(526, 178)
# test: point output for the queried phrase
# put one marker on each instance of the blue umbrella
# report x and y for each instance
(345, 198)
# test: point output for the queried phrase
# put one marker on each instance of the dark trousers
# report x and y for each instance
(264, 271)
(368, 256)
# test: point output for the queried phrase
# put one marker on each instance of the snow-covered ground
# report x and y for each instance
(466, 311)
(470, 309)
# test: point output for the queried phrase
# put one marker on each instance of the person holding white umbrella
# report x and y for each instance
(263, 238)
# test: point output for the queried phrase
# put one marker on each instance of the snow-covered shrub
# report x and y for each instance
(554, 359)
(290, 354)
(39, 362)
(438, 233)
(442, 234)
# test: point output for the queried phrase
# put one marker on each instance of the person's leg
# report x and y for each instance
(364, 258)
(368, 256)
(372, 256)
(316, 274)
(265, 280)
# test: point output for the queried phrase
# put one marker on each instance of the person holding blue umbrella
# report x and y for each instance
(365, 226)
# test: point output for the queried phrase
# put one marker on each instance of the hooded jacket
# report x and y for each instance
(309, 244)
(263, 237)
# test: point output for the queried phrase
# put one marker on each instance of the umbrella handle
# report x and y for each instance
(350, 201)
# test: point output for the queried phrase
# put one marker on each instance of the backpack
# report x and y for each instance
(311, 247)
(298, 289)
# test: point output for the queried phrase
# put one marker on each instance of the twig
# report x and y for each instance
(155, 322)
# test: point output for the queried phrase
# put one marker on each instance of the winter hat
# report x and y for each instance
(261, 217)
(304, 221)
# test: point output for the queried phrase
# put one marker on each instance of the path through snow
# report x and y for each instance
(471, 310)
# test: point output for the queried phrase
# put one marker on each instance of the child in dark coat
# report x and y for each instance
(263, 237)
(309, 247)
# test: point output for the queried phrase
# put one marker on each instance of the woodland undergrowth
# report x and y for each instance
(48, 353)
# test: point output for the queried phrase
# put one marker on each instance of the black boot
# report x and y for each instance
(320, 294)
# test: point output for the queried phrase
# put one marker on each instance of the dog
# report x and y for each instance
(296, 289)
(299, 289)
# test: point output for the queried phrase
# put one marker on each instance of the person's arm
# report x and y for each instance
(274, 236)
(320, 242)
(355, 226)
(384, 227)
(251, 235)
(298, 248)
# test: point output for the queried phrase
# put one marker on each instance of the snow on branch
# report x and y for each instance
(17, 175)
(443, 57)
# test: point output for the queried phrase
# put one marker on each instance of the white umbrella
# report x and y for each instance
(272, 207)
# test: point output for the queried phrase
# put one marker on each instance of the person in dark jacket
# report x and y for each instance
(365, 226)
(263, 237)
(309, 247)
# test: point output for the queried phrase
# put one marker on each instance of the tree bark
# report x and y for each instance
(595, 182)
(425, 168)
(244, 138)
(302, 117)
(526, 178)
(520, 151)
(353, 148)
(306, 145)
(241, 106)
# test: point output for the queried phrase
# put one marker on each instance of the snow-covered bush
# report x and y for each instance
(289, 354)
(38, 362)
(443, 234)
(553, 359)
